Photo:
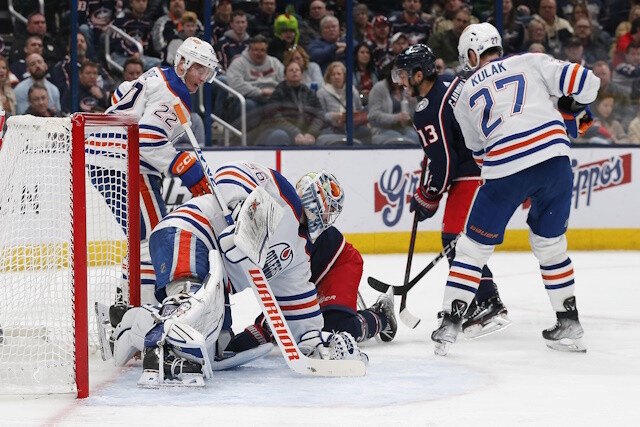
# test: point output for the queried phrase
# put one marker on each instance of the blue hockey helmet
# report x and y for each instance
(418, 57)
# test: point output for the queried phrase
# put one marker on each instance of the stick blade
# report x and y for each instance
(409, 319)
(378, 285)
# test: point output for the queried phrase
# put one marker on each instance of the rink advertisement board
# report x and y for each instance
(379, 183)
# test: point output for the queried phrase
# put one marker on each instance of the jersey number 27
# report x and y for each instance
(487, 124)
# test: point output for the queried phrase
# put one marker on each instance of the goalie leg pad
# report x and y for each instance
(130, 333)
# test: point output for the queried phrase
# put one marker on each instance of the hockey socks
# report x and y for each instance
(363, 325)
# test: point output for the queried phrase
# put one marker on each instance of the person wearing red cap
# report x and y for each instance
(379, 42)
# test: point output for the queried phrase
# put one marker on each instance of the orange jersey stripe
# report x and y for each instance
(557, 276)
(465, 277)
(573, 78)
(237, 175)
(183, 263)
(493, 153)
(299, 306)
(145, 192)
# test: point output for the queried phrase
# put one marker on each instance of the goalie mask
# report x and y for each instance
(322, 199)
(195, 50)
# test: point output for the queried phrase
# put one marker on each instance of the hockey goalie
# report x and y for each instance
(188, 333)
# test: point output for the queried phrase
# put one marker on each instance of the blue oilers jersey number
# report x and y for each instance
(488, 97)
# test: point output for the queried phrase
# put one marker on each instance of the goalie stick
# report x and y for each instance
(381, 286)
(294, 358)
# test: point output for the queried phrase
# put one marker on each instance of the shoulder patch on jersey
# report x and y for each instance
(446, 83)
(424, 102)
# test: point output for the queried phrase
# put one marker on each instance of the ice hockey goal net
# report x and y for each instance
(69, 236)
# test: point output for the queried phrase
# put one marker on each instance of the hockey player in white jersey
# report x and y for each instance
(151, 98)
(520, 141)
(180, 248)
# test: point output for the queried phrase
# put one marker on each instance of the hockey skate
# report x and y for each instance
(450, 324)
(384, 305)
(566, 334)
(485, 318)
(177, 371)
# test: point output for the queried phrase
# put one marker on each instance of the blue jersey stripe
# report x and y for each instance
(154, 144)
(466, 266)
(304, 316)
(527, 152)
(297, 297)
(562, 77)
(288, 193)
(147, 165)
(561, 285)
(461, 286)
(232, 182)
(582, 79)
(526, 133)
(556, 266)
(198, 225)
(241, 171)
(154, 128)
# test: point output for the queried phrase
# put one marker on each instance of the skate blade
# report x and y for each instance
(150, 379)
(103, 323)
(441, 348)
(568, 345)
(497, 324)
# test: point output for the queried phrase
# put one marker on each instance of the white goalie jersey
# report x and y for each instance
(507, 87)
(150, 98)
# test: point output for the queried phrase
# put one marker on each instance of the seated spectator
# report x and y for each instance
(133, 69)
(399, 42)
(36, 26)
(604, 118)
(627, 73)
(536, 48)
(317, 12)
(255, 75)
(634, 129)
(624, 26)
(91, 98)
(445, 44)
(190, 28)
(444, 22)
(39, 102)
(7, 95)
(513, 28)
(573, 50)
(234, 41)
(536, 35)
(388, 122)
(362, 28)
(329, 47)
(311, 74)
(220, 21)
(137, 24)
(633, 36)
(38, 71)
(364, 73)
(93, 19)
(558, 29)
(61, 73)
(286, 36)
(625, 110)
(442, 69)
(594, 49)
(297, 112)
(167, 28)
(333, 97)
(264, 20)
(19, 67)
(379, 42)
(410, 22)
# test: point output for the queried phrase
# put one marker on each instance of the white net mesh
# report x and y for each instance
(37, 340)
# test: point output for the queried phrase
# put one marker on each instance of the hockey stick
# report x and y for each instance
(405, 315)
(295, 359)
(381, 286)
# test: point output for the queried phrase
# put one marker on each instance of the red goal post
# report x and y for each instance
(69, 215)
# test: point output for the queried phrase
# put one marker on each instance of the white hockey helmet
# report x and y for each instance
(478, 38)
(322, 200)
(195, 50)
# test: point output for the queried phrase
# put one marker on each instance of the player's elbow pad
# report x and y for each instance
(185, 166)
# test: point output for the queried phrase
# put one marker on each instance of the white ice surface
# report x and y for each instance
(506, 379)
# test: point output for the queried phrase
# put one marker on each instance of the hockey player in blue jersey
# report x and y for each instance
(520, 142)
(151, 98)
(183, 252)
(451, 170)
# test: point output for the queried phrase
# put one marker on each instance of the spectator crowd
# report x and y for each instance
(288, 57)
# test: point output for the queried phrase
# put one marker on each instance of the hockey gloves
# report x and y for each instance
(186, 167)
(577, 117)
(424, 204)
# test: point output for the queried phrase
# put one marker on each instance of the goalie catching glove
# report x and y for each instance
(424, 204)
(185, 166)
(577, 117)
